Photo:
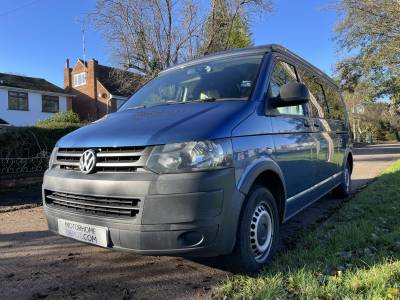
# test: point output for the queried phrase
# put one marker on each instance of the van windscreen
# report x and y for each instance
(230, 78)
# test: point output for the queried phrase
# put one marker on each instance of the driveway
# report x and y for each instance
(36, 264)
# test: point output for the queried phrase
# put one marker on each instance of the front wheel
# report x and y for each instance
(258, 232)
(343, 190)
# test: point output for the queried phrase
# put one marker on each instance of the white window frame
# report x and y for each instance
(80, 79)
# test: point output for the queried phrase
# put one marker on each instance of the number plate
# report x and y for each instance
(96, 235)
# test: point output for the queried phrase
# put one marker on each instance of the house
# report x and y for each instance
(98, 89)
(26, 100)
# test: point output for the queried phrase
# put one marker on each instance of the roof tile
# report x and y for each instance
(29, 83)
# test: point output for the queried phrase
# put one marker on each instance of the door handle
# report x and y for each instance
(307, 123)
(316, 124)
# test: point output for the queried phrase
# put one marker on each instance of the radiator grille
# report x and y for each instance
(108, 206)
(109, 159)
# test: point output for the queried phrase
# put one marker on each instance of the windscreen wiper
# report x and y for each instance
(169, 102)
(211, 99)
(136, 107)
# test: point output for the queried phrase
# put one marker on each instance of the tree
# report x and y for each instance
(240, 35)
(392, 116)
(371, 28)
(216, 27)
(227, 25)
(149, 35)
(233, 32)
(381, 120)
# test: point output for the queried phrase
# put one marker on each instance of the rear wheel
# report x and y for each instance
(258, 232)
(343, 190)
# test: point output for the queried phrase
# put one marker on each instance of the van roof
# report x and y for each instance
(255, 50)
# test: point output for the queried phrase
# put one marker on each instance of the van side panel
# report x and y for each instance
(294, 152)
(252, 142)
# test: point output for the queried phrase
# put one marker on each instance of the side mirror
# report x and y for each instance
(291, 94)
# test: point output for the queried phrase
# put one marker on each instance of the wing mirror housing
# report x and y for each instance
(291, 94)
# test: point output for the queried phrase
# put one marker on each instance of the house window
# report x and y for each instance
(50, 104)
(80, 79)
(17, 101)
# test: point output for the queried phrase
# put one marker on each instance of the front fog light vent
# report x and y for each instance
(191, 238)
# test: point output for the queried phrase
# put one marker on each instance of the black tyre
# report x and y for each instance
(258, 232)
(344, 189)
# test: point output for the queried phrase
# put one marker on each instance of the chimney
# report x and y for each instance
(68, 83)
(92, 81)
(67, 76)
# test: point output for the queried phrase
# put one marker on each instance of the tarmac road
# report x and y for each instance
(35, 264)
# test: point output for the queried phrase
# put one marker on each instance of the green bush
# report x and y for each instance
(37, 140)
(60, 119)
(384, 132)
(31, 141)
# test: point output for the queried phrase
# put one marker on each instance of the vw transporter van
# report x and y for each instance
(208, 158)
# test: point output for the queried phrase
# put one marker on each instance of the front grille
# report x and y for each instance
(105, 206)
(109, 159)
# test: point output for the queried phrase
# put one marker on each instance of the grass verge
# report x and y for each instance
(353, 255)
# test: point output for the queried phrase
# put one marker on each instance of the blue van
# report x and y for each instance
(209, 158)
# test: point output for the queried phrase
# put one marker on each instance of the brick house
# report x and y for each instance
(97, 89)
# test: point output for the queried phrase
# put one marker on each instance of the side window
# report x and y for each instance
(17, 101)
(283, 73)
(50, 104)
(318, 105)
(336, 106)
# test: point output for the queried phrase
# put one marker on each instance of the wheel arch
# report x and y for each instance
(266, 173)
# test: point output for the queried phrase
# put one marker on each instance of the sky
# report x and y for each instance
(36, 36)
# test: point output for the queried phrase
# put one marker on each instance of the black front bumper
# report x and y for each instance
(190, 213)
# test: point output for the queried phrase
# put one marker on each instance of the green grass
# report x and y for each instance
(353, 255)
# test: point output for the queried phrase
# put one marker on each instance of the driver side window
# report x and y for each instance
(284, 73)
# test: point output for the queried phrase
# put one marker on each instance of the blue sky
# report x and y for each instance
(37, 35)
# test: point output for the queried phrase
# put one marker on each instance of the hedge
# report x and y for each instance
(37, 140)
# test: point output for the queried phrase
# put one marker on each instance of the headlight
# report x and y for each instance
(190, 156)
(52, 157)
